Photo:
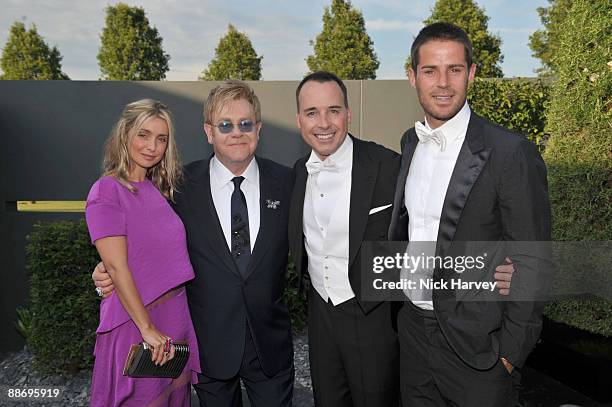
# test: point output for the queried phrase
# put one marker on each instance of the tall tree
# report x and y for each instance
(235, 58)
(471, 18)
(131, 49)
(343, 46)
(545, 43)
(27, 56)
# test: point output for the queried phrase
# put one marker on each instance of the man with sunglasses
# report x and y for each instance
(235, 210)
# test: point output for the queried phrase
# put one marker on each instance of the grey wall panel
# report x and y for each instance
(389, 109)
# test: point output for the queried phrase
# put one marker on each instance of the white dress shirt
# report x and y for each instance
(326, 223)
(222, 187)
(426, 185)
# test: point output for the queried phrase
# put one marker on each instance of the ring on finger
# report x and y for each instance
(168, 344)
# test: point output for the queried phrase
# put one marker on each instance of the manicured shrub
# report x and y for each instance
(579, 152)
(295, 300)
(587, 313)
(63, 308)
(517, 104)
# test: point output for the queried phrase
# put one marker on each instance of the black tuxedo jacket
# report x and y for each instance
(372, 185)
(497, 192)
(221, 301)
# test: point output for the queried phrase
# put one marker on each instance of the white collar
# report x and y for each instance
(222, 176)
(456, 126)
(341, 158)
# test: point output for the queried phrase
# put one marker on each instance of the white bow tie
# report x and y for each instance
(425, 135)
(314, 167)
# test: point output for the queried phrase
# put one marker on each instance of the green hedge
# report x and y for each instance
(579, 152)
(296, 302)
(590, 314)
(516, 104)
(63, 312)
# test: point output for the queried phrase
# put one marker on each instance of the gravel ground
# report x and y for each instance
(16, 372)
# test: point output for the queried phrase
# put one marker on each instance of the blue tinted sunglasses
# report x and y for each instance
(245, 126)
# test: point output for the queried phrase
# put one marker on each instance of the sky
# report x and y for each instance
(280, 30)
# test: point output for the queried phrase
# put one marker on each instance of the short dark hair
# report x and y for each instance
(321, 77)
(444, 32)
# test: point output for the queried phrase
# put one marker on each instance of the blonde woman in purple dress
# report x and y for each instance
(142, 244)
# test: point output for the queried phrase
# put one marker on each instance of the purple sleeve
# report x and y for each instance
(103, 212)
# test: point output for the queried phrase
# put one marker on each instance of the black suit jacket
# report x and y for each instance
(372, 185)
(497, 192)
(221, 301)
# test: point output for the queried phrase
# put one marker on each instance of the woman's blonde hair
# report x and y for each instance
(166, 174)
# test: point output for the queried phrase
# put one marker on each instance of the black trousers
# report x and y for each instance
(432, 374)
(262, 390)
(353, 356)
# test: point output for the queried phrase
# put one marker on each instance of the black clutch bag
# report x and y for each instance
(139, 364)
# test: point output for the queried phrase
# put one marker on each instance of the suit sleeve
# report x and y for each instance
(525, 213)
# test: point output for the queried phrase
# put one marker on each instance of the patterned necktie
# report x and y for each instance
(241, 241)
(425, 135)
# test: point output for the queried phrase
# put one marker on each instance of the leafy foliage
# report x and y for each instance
(343, 47)
(130, 48)
(545, 43)
(24, 322)
(472, 19)
(26, 56)
(62, 316)
(295, 300)
(516, 104)
(235, 58)
(579, 151)
(591, 314)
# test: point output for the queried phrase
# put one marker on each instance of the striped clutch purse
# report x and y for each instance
(139, 364)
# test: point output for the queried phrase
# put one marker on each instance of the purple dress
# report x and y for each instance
(159, 263)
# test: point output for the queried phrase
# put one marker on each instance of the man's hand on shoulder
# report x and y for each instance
(102, 280)
(503, 276)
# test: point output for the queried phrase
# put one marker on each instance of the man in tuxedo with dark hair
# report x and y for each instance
(464, 179)
(342, 196)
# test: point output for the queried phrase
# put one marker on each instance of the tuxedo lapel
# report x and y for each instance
(408, 147)
(471, 160)
(270, 209)
(205, 215)
(363, 180)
